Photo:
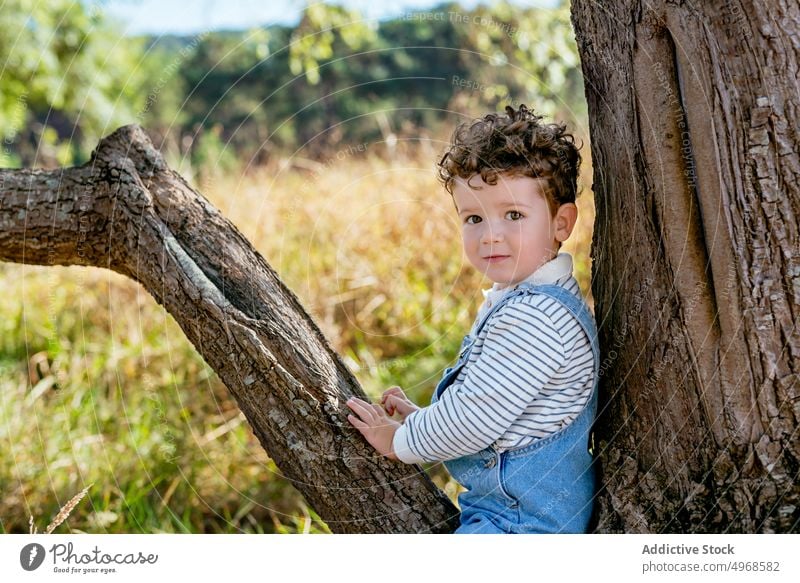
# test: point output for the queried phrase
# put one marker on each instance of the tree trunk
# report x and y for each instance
(693, 110)
(127, 211)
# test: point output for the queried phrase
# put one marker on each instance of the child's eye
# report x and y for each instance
(516, 212)
(467, 220)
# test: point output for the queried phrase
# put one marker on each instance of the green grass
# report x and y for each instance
(99, 385)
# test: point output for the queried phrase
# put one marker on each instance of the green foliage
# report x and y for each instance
(531, 56)
(326, 33)
(219, 99)
(66, 81)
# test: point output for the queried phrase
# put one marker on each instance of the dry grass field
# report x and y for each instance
(99, 386)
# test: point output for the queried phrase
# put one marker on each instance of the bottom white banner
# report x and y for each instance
(118, 558)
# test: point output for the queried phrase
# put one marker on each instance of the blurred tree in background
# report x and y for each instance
(217, 100)
(66, 79)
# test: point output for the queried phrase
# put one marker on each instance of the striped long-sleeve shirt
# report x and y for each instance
(530, 372)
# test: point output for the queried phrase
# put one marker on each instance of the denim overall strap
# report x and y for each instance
(575, 305)
(577, 308)
(451, 372)
(547, 486)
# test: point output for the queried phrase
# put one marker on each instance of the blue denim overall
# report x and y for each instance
(547, 486)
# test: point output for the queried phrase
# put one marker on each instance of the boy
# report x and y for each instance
(511, 419)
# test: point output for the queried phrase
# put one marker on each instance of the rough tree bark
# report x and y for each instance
(693, 110)
(127, 211)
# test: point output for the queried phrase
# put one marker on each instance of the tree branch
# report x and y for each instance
(127, 211)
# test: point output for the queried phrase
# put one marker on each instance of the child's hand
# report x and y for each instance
(374, 425)
(395, 400)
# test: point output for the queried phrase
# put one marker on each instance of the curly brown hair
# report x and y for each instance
(514, 144)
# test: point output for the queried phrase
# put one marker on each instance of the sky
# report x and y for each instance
(194, 16)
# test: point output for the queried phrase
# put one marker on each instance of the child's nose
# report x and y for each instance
(492, 234)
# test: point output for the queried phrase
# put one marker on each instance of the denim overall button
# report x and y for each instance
(490, 464)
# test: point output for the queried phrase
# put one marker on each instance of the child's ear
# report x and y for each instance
(565, 219)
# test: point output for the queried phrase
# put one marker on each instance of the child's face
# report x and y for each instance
(507, 229)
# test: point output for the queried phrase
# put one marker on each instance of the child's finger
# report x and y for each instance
(359, 408)
(391, 391)
(356, 422)
(404, 406)
(389, 405)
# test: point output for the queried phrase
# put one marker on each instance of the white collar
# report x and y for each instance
(551, 272)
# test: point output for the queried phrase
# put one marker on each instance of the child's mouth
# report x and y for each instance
(497, 258)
